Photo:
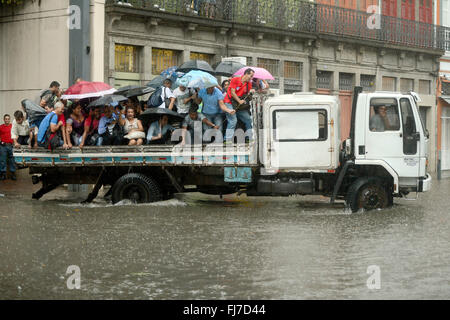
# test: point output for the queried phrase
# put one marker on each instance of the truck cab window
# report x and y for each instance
(409, 127)
(384, 115)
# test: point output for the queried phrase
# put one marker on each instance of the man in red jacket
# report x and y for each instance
(6, 149)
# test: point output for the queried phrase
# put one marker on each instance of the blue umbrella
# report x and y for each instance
(169, 72)
(197, 79)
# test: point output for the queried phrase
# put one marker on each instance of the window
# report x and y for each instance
(446, 88)
(163, 59)
(324, 79)
(293, 70)
(364, 4)
(409, 127)
(270, 65)
(126, 58)
(293, 77)
(445, 15)
(384, 115)
(389, 84)
(202, 56)
(368, 82)
(425, 86)
(406, 85)
(346, 81)
(300, 125)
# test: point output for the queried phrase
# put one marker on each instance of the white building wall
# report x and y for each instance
(34, 50)
(97, 13)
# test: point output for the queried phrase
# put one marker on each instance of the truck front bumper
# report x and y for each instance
(425, 184)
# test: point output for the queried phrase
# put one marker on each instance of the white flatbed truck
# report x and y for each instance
(296, 151)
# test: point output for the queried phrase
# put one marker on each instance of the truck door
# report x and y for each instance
(391, 135)
(384, 138)
(300, 138)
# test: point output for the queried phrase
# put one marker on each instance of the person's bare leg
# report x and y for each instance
(132, 142)
(140, 142)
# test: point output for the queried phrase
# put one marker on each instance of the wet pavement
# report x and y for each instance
(202, 247)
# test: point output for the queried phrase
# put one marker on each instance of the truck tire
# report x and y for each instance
(368, 194)
(136, 187)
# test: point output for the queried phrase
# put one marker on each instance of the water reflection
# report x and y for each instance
(203, 247)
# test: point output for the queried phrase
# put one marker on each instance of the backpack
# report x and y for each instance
(51, 140)
(155, 99)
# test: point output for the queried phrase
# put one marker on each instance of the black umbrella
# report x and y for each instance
(158, 82)
(228, 68)
(123, 90)
(105, 100)
(35, 113)
(196, 65)
(139, 91)
(154, 114)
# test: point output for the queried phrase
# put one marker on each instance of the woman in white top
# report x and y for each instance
(134, 131)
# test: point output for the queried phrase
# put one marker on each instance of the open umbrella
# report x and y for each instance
(157, 82)
(172, 73)
(153, 114)
(197, 79)
(140, 91)
(196, 65)
(228, 68)
(86, 89)
(123, 90)
(105, 100)
(260, 73)
(35, 113)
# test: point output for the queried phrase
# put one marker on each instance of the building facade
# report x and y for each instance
(443, 94)
(35, 47)
(325, 47)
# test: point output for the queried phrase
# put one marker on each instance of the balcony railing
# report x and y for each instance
(303, 16)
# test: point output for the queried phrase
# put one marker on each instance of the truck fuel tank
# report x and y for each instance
(285, 186)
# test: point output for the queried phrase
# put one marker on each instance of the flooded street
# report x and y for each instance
(202, 247)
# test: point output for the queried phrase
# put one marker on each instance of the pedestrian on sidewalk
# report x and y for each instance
(6, 149)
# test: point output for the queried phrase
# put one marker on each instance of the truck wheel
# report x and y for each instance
(136, 187)
(367, 194)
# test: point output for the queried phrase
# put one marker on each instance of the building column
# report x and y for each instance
(185, 56)
(146, 63)
(97, 34)
(312, 75)
(357, 79)
(111, 64)
(335, 83)
(417, 9)
(378, 80)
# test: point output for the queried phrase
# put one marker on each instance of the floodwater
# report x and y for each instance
(202, 247)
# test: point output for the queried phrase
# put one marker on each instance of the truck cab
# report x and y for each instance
(385, 156)
(389, 132)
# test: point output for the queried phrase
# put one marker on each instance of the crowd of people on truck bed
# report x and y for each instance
(71, 123)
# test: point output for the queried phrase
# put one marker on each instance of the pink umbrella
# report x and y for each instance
(86, 89)
(260, 73)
